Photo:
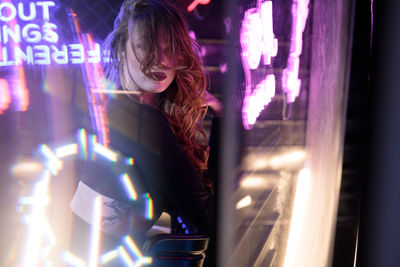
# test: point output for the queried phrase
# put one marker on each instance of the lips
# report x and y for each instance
(159, 76)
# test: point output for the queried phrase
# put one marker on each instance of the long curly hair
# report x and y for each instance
(182, 102)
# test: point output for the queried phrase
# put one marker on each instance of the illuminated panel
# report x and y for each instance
(258, 42)
(290, 81)
(195, 3)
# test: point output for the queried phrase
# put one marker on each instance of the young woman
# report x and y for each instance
(158, 122)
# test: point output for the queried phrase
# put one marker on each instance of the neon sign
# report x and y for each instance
(290, 81)
(34, 40)
(195, 3)
(258, 42)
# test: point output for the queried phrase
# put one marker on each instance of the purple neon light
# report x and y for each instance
(258, 41)
(290, 81)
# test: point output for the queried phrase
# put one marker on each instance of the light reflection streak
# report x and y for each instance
(53, 163)
(297, 220)
(144, 260)
(128, 186)
(129, 161)
(109, 256)
(82, 143)
(95, 233)
(105, 152)
(131, 244)
(66, 150)
(244, 202)
(125, 256)
(149, 206)
(37, 222)
(94, 78)
(73, 260)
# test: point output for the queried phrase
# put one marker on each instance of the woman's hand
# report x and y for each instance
(213, 103)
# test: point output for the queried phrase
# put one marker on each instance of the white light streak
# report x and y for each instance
(292, 157)
(73, 260)
(53, 163)
(132, 246)
(129, 188)
(109, 256)
(296, 224)
(67, 150)
(125, 256)
(105, 152)
(95, 235)
(253, 182)
(37, 219)
(244, 202)
(144, 260)
(27, 167)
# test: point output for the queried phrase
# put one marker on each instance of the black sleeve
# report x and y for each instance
(144, 133)
(182, 185)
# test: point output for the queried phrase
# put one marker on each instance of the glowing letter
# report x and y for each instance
(94, 55)
(257, 39)
(45, 5)
(76, 53)
(270, 43)
(43, 55)
(250, 38)
(11, 14)
(60, 56)
(290, 81)
(32, 11)
(21, 56)
(49, 34)
(31, 33)
(16, 35)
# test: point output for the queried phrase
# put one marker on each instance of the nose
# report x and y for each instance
(163, 58)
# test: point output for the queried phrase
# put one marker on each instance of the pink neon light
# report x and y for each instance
(258, 41)
(5, 98)
(93, 75)
(195, 3)
(290, 81)
(19, 91)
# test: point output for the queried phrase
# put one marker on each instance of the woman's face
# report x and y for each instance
(132, 76)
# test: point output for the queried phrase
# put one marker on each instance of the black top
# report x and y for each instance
(161, 167)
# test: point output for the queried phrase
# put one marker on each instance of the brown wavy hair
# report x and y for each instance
(182, 102)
